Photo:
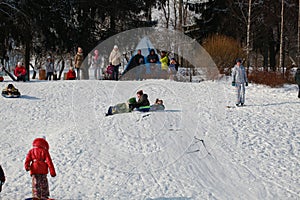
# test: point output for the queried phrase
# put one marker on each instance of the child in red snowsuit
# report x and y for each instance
(38, 161)
(71, 75)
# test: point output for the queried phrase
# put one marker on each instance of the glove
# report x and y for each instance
(233, 83)
(53, 175)
(246, 83)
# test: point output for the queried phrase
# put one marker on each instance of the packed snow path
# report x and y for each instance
(196, 149)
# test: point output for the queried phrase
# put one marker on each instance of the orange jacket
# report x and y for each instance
(38, 159)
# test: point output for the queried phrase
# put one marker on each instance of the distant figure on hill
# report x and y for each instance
(297, 79)
(71, 75)
(78, 60)
(239, 80)
(49, 68)
(20, 72)
(96, 65)
(115, 61)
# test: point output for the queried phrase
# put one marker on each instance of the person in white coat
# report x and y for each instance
(115, 60)
(239, 80)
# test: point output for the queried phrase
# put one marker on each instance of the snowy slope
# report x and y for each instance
(251, 152)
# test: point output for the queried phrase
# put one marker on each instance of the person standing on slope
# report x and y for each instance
(78, 60)
(297, 79)
(38, 162)
(96, 65)
(239, 80)
(115, 60)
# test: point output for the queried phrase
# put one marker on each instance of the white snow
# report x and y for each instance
(251, 152)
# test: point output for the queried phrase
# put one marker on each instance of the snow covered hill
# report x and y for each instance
(197, 149)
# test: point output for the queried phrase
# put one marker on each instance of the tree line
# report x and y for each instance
(268, 29)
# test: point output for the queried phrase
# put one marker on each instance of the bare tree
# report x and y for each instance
(281, 50)
(248, 34)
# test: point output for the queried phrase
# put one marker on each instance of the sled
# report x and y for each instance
(11, 95)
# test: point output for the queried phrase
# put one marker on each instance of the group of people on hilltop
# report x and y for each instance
(168, 67)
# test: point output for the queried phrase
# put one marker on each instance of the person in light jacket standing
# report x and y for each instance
(49, 68)
(115, 60)
(239, 80)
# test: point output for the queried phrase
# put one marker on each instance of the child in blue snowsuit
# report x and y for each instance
(239, 80)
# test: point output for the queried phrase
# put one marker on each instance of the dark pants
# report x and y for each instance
(21, 78)
(49, 74)
(78, 73)
(115, 74)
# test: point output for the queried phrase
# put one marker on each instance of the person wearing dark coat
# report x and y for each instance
(142, 100)
(138, 59)
(297, 79)
(152, 57)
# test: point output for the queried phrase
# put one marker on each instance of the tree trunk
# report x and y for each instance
(281, 50)
(27, 58)
(248, 35)
(175, 14)
(272, 56)
(180, 11)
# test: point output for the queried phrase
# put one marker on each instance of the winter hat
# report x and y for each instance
(19, 63)
(132, 100)
(238, 60)
(41, 143)
(140, 92)
(116, 47)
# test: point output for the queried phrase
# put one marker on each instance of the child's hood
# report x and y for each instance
(41, 143)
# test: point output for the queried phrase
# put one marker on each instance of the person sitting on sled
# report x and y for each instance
(10, 91)
(122, 107)
(38, 161)
(143, 103)
(158, 105)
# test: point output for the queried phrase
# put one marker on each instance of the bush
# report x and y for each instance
(272, 79)
(224, 51)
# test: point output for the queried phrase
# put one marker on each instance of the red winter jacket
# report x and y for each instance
(38, 159)
(71, 75)
(19, 71)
